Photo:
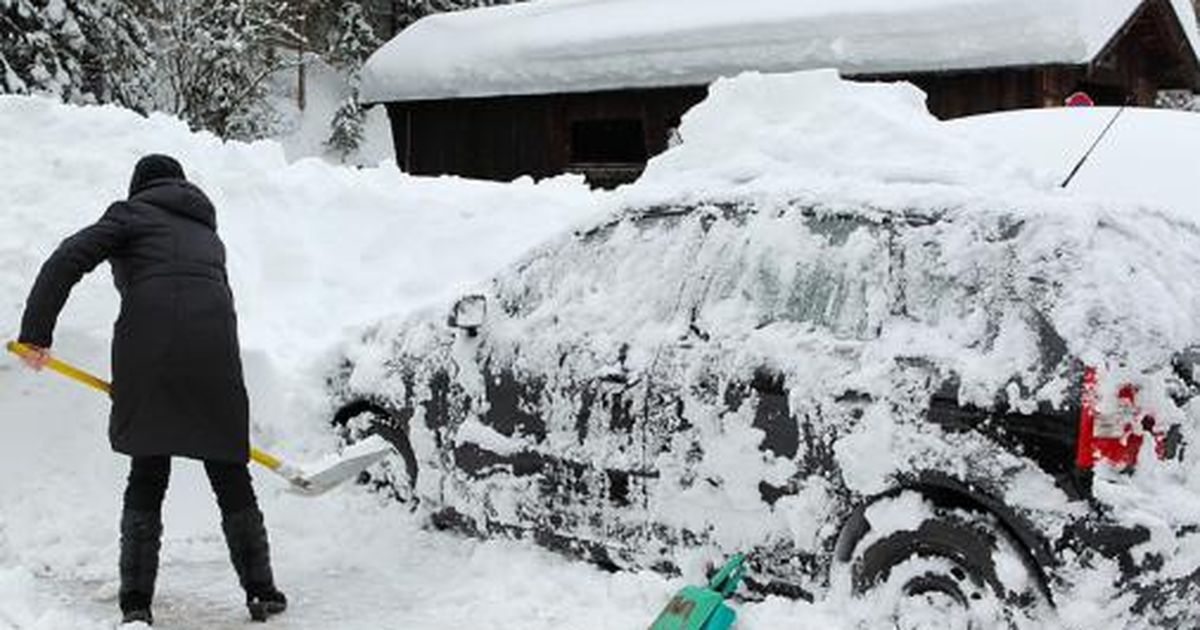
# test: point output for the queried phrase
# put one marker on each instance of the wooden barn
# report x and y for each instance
(598, 86)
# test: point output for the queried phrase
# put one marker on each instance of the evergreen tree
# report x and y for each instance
(78, 50)
(119, 67)
(347, 132)
(352, 40)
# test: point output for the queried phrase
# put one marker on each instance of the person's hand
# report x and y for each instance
(35, 358)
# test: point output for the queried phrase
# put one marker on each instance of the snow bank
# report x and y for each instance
(312, 248)
(1149, 157)
(581, 45)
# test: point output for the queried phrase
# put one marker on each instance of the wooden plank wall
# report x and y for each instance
(504, 138)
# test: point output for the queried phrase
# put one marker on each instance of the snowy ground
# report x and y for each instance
(348, 560)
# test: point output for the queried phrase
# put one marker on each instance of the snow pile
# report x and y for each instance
(816, 133)
(1149, 156)
(313, 249)
(580, 45)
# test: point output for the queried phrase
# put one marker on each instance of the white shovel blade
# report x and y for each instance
(328, 474)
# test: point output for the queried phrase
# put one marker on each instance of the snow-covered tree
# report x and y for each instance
(417, 9)
(216, 56)
(79, 50)
(346, 128)
(352, 40)
(119, 67)
(41, 46)
(394, 15)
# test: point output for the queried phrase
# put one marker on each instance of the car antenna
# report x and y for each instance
(1099, 139)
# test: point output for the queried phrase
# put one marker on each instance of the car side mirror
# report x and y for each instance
(468, 314)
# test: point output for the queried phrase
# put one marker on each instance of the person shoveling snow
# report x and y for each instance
(177, 388)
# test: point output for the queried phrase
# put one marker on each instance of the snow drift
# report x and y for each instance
(312, 248)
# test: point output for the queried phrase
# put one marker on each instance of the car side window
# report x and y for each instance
(830, 272)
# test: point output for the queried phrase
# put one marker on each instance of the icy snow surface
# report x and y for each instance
(581, 45)
(315, 249)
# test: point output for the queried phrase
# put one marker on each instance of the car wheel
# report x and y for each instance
(942, 567)
(396, 475)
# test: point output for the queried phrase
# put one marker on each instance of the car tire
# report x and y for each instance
(952, 568)
(395, 476)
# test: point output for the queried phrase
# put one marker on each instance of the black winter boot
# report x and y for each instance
(141, 538)
(251, 556)
(138, 616)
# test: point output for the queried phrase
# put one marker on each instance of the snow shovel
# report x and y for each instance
(703, 607)
(308, 480)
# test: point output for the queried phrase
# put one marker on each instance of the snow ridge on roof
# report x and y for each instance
(548, 46)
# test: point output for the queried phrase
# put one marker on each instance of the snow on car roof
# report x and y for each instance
(1150, 156)
(548, 46)
(815, 134)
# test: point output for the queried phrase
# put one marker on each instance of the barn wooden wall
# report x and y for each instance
(504, 138)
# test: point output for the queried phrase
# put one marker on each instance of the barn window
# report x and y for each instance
(608, 141)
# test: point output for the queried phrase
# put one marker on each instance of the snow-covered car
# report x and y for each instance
(967, 399)
(913, 401)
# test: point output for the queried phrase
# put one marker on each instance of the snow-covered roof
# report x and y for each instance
(548, 46)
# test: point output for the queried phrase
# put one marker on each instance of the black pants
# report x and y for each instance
(148, 478)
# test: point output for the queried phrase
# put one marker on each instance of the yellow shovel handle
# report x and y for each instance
(76, 374)
(63, 368)
(265, 458)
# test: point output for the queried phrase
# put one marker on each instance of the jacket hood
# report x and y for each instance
(159, 180)
(179, 197)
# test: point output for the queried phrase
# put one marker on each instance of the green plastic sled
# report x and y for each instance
(703, 607)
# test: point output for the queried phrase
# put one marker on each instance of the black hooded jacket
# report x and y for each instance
(177, 373)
